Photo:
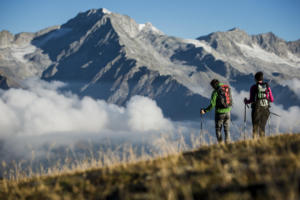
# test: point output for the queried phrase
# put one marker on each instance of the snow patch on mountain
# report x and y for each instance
(102, 10)
(141, 26)
(198, 44)
(106, 11)
(294, 58)
(212, 51)
(148, 27)
(18, 52)
(257, 52)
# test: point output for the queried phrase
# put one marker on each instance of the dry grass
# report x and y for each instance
(268, 168)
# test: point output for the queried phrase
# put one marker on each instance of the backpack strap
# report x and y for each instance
(267, 84)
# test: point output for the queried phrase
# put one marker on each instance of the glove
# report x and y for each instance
(245, 101)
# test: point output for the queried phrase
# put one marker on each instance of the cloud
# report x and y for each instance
(288, 121)
(145, 115)
(41, 109)
(238, 107)
(294, 85)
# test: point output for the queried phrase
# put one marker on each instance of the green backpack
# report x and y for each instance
(261, 97)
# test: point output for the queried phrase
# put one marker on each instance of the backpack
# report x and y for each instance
(261, 94)
(224, 99)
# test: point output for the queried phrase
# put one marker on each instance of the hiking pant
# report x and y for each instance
(222, 120)
(260, 115)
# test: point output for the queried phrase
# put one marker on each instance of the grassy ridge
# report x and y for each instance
(268, 168)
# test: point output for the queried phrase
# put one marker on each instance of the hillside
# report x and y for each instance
(268, 168)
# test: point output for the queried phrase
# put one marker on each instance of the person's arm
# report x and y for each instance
(270, 95)
(213, 102)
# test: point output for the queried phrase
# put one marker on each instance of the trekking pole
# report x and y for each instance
(269, 125)
(201, 128)
(245, 120)
(275, 114)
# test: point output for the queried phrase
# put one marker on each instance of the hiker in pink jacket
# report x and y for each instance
(260, 98)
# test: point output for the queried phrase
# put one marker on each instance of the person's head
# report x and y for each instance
(214, 83)
(259, 76)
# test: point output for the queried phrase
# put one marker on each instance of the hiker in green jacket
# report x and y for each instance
(221, 100)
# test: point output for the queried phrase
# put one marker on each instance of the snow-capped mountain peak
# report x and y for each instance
(106, 11)
(148, 27)
(101, 10)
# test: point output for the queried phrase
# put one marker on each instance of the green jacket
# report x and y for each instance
(213, 102)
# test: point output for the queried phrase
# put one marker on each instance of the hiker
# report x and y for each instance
(260, 98)
(222, 101)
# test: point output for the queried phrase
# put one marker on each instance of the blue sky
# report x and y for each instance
(181, 18)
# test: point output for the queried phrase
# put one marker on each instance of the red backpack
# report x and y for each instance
(224, 99)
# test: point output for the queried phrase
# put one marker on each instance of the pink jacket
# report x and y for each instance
(253, 90)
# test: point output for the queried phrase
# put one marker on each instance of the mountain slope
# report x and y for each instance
(267, 168)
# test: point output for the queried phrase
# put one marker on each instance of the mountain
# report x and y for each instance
(109, 56)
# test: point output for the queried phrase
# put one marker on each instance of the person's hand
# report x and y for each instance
(245, 101)
(202, 111)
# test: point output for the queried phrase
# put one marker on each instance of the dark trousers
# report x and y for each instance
(260, 115)
(222, 120)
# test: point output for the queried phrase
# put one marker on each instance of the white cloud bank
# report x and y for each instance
(41, 109)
